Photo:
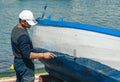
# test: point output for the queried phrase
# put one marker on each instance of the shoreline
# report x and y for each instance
(10, 74)
(13, 78)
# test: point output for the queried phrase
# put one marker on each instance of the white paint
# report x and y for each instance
(81, 43)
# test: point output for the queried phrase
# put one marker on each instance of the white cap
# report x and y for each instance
(28, 16)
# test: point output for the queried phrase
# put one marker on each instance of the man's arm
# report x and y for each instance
(46, 55)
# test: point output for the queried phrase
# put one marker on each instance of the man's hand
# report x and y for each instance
(48, 55)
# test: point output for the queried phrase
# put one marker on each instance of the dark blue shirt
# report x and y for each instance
(21, 42)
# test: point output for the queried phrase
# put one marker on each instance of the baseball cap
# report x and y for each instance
(28, 16)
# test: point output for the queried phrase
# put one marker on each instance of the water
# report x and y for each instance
(96, 12)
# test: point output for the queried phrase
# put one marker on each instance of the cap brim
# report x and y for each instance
(32, 22)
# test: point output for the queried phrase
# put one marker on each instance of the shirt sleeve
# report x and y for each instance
(24, 43)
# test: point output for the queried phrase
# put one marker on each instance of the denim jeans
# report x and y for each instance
(24, 71)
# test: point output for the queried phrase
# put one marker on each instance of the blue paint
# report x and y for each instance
(61, 23)
(74, 69)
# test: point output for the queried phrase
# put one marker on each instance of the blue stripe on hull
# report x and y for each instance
(99, 29)
(74, 69)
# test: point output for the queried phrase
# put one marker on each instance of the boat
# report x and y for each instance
(85, 53)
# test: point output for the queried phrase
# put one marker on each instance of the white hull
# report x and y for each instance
(80, 43)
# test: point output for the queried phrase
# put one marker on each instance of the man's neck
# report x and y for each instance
(20, 26)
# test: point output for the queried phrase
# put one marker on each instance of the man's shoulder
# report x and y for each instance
(17, 32)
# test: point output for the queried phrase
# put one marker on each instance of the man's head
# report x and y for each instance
(27, 19)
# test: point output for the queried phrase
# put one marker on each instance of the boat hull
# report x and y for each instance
(84, 53)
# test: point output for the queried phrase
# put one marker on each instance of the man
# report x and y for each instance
(23, 49)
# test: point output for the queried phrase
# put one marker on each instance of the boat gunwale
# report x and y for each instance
(76, 25)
